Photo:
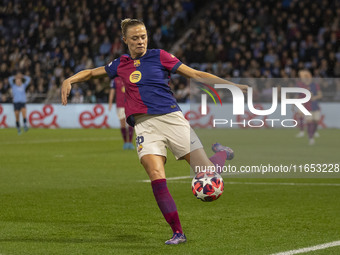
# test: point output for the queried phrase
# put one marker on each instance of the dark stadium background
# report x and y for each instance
(51, 40)
(76, 191)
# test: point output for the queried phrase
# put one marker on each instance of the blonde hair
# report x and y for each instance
(305, 73)
(126, 23)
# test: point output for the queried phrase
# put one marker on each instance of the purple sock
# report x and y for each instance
(130, 134)
(219, 159)
(166, 204)
(123, 131)
(310, 128)
(301, 124)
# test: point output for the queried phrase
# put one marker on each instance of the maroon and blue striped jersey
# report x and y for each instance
(314, 88)
(146, 82)
(118, 85)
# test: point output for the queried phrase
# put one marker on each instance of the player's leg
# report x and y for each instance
(151, 149)
(17, 120)
(17, 117)
(122, 123)
(199, 160)
(128, 131)
(24, 116)
(130, 136)
(121, 117)
(310, 129)
(316, 118)
(316, 133)
(301, 125)
(123, 132)
(184, 144)
(154, 166)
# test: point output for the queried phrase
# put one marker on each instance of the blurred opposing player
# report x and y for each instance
(152, 109)
(18, 87)
(118, 89)
(301, 123)
(312, 105)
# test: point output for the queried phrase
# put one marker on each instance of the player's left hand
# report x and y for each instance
(65, 91)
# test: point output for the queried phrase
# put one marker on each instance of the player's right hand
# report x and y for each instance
(110, 107)
(65, 91)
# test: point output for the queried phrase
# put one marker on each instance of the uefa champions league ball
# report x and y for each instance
(207, 186)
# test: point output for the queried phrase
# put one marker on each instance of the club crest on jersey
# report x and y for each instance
(136, 63)
(135, 76)
(139, 141)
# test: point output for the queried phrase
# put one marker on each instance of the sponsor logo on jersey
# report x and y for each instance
(135, 76)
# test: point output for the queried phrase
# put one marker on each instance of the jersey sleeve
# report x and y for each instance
(112, 67)
(169, 61)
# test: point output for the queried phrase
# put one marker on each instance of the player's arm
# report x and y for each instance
(27, 80)
(82, 76)
(318, 95)
(200, 76)
(111, 96)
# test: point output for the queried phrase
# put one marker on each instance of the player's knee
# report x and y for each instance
(156, 174)
(154, 168)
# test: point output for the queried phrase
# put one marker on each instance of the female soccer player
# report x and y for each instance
(312, 105)
(19, 98)
(152, 109)
(118, 88)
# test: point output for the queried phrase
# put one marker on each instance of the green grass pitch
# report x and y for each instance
(77, 192)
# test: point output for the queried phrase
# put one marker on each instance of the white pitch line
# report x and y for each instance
(178, 178)
(63, 141)
(171, 178)
(308, 249)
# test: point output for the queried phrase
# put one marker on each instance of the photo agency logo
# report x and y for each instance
(238, 106)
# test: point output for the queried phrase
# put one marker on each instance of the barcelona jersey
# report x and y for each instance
(119, 87)
(146, 82)
(314, 89)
